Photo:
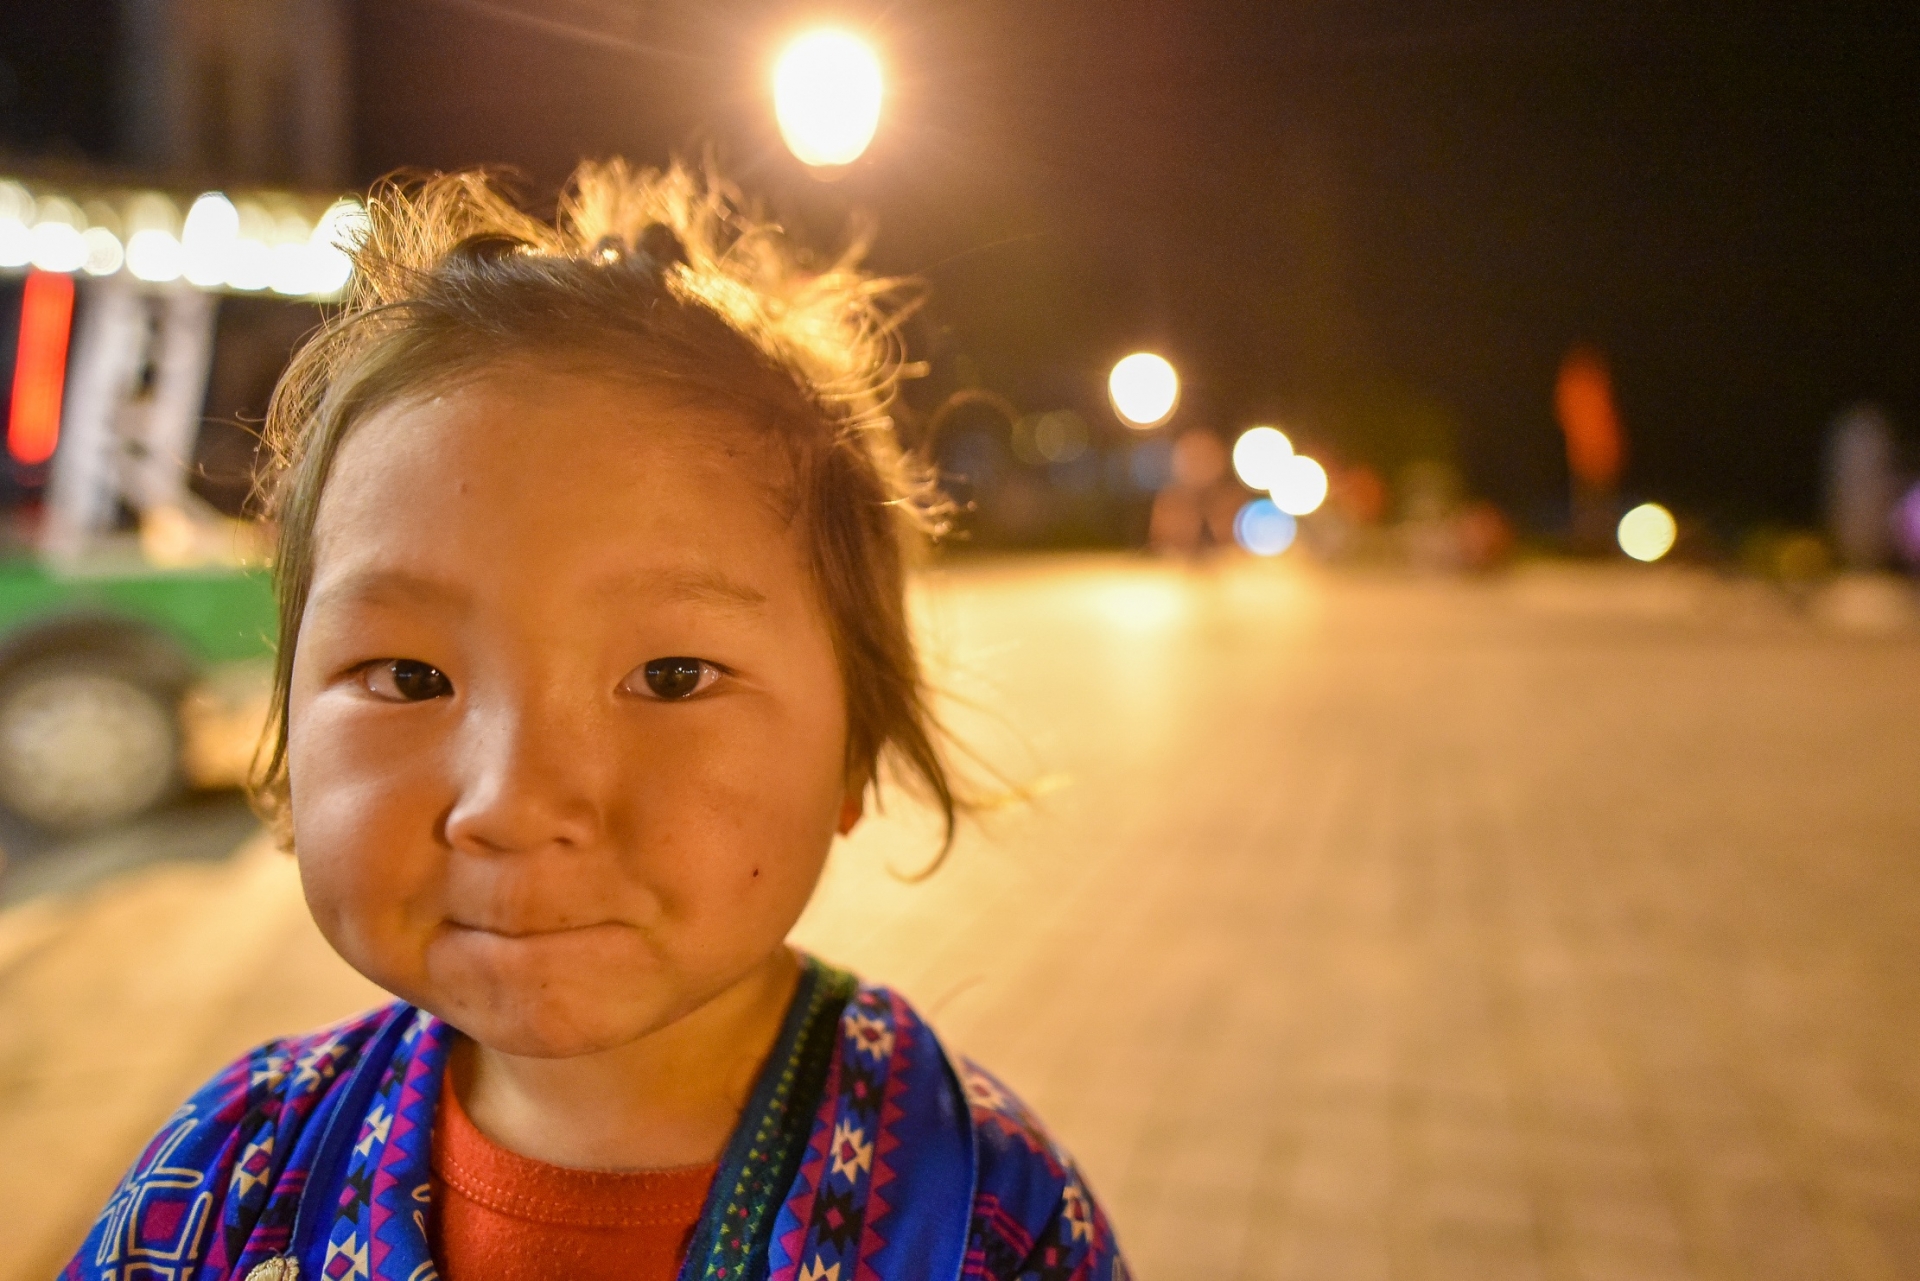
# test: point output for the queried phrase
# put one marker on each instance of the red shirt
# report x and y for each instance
(499, 1216)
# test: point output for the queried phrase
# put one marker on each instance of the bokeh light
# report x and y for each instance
(57, 242)
(1647, 532)
(155, 255)
(1259, 455)
(1300, 487)
(207, 240)
(104, 252)
(826, 97)
(1144, 389)
(1060, 437)
(1263, 529)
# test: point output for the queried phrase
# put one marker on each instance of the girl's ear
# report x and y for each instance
(852, 806)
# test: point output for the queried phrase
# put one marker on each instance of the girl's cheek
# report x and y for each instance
(362, 824)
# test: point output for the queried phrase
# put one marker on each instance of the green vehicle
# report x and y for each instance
(120, 686)
(136, 617)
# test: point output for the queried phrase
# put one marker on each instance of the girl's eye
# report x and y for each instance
(675, 678)
(406, 680)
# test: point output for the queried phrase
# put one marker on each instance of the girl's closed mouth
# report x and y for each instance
(520, 931)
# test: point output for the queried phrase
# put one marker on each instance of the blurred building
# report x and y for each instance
(192, 91)
(236, 90)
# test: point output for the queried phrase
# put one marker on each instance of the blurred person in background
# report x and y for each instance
(1193, 512)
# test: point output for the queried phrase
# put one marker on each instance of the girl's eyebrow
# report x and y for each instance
(694, 586)
(387, 587)
(673, 586)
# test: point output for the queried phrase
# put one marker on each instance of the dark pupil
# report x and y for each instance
(673, 677)
(415, 680)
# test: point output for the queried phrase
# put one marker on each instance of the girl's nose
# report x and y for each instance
(529, 774)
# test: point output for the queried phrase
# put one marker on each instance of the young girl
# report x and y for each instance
(593, 637)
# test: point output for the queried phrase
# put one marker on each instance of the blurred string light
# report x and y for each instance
(1647, 532)
(105, 254)
(1144, 389)
(207, 240)
(153, 248)
(57, 241)
(249, 245)
(1263, 529)
(826, 97)
(1300, 487)
(1260, 455)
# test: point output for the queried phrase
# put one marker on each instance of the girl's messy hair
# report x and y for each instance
(662, 277)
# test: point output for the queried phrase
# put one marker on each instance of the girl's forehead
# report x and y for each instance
(530, 456)
(528, 424)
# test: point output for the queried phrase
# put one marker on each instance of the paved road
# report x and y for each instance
(1561, 926)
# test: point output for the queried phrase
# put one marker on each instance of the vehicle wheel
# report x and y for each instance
(83, 743)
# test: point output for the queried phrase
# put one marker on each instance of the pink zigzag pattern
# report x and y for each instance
(415, 1089)
(887, 1140)
(812, 1169)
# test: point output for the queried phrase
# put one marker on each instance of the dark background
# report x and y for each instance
(1369, 222)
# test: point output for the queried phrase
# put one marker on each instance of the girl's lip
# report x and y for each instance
(523, 931)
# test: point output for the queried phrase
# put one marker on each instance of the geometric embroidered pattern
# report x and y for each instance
(866, 1154)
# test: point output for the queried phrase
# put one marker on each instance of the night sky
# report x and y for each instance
(1357, 220)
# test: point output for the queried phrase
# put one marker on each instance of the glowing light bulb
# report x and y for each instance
(1144, 390)
(1647, 532)
(1259, 456)
(1300, 487)
(826, 97)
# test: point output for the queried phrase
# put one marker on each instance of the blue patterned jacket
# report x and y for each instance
(865, 1153)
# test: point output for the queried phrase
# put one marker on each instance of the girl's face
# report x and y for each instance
(567, 731)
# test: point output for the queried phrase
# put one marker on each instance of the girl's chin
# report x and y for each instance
(547, 1025)
(548, 996)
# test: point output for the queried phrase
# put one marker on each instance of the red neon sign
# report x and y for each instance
(40, 367)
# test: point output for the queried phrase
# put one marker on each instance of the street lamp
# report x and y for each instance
(1144, 390)
(826, 97)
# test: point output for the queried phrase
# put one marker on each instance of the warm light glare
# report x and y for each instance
(1300, 487)
(1144, 389)
(826, 97)
(1263, 529)
(40, 367)
(1647, 532)
(1259, 456)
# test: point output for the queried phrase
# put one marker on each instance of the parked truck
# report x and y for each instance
(136, 616)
